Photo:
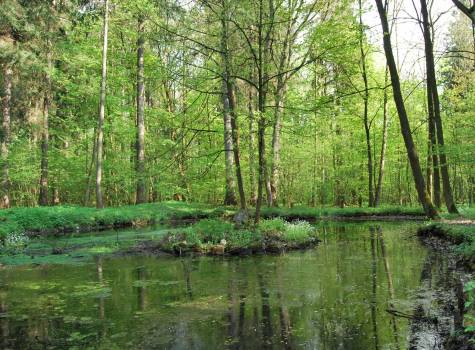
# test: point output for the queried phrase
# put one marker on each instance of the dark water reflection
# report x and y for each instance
(333, 297)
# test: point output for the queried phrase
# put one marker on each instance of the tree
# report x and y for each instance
(413, 156)
(434, 103)
(102, 111)
(5, 135)
(141, 195)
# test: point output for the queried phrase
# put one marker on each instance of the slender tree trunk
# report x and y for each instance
(231, 97)
(252, 158)
(43, 198)
(230, 195)
(102, 103)
(434, 158)
(141, 192)
(384, 142)
(367, 125)
(424, 199)
(5, 136)
(276, 139)
(235, 137)
(432, 87)
(87, 195)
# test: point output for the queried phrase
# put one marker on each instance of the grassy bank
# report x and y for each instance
(64, 219)
(52, 220)
(462, 237)
(218, 237)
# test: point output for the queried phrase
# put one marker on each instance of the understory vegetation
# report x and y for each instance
(219, 237)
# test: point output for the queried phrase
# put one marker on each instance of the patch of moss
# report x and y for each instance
(218, 237)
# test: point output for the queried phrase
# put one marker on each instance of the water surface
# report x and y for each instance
(332, 297)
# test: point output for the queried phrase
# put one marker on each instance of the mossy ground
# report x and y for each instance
(218, 237)
(51, 220)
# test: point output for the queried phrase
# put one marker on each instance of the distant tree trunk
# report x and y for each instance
(424, 198)
(231, 99)
(230, 195)
(5, 136)
(434, 158)
(384, 142)
(141, 193)
(252, 158)
(432, 87)
(102, 104)
(236, 152)
(43, 198)
(276, 138)
(367, 125)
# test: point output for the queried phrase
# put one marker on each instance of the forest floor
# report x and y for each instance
(65, 219)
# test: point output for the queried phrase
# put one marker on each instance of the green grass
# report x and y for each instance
(48, 220)
(350, 212)
(462, 236)
(213, 236)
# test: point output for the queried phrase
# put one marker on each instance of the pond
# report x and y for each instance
(335, 296)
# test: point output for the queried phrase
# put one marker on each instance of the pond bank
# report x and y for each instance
(455, 241)
(44, 221)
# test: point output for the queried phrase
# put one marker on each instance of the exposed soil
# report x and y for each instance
(437, 320)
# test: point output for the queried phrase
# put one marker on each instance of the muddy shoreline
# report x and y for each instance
(442, 321)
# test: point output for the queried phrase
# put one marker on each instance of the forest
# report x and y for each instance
(272, 103)
(239, 127)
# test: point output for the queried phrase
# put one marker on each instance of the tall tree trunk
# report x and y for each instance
(384, 142)
(235, 137)
(434, 158)
(424, 198)
(43, 198)
(231, 97)
(367, 125)
(432, 87)
(230, 195)
(264, 43)
(102, 105)
(5, 136)
(276, 139)
(252, 159)
(141, 192)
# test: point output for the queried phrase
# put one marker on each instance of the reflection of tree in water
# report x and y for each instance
(392, 294)
(373, 288)
(141, 288)
(438, 307)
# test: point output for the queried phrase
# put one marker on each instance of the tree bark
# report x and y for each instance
(384, 142)
(276, 139)
(252, 158)
(413, 156)
(5, 136)
(432, 87)
(43, 198)
(141, 192)
(367, 125)
(102, 103)
(232, 105)
(230, 195)
(434, 158)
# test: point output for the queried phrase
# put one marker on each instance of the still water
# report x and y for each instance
(335, 296)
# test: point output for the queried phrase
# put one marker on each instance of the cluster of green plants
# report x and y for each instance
(331, 212)
(463, 237)
(58, 219)
(270, 234)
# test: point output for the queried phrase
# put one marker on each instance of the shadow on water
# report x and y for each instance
(336, 296)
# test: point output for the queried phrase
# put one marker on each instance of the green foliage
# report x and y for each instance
(49, 220)
(206, 235)
(299, 232)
